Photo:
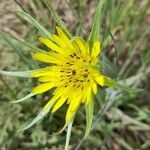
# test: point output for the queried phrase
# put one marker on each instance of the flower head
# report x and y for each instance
(72, 71)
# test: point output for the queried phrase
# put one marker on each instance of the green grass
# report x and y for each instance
(124, 123)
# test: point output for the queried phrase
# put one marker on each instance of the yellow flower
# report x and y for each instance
(72, 71)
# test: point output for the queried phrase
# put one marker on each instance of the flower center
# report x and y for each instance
(76, 71)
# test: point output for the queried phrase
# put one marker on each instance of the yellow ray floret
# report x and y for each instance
(43, 88)
(96, 49)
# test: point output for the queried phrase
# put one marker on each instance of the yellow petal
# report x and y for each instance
(100, 80)
(62, 35)
(58, 40)
(59, 57)
(95, 49)
(104, 81)
(81, 45)
(69, 116)
(42, 88)
(51, 102)
(59, 92)
(41, 73)
(89, 93)
(45, 58)
(75, 103)
(45, 79)
(50, 44)
(59, 104)
(94, 86)
(86, 88)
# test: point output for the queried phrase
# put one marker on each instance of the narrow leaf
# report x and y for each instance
(30, 46)
(24, 98)
(68, 134)
(94, 34)
(89, 116)
(26, 74)
(16, 73)
(31, 20)
(36, 119)
(57, 18)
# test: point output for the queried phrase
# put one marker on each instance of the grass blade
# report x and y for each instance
(31, 20)
(94, 34)
(57, 18)
(132, 51)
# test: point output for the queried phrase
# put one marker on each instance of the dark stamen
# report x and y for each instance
(74, 54)
(78, 86)
(85, 75)
(71, 56)
(67, 63)
(73, 72)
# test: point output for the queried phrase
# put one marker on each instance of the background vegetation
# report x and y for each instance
(126, 124)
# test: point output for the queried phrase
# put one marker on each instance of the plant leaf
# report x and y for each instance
(94, 34)
(31, 20)
(68, 134)
(16, 73)
(24, 98)
(89, 116)
(57, 18)
(36, 119)
(26, 74)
